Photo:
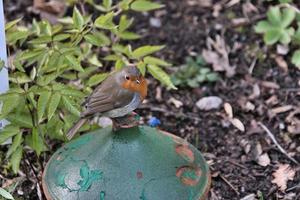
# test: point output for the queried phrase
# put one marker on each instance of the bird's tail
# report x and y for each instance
(75, 128)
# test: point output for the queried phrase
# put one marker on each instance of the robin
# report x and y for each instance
(118, 95)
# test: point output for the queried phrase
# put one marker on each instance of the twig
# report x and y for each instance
(251, 68)
(230, 185)
(292, 188)
(287, 5)
(271, 135)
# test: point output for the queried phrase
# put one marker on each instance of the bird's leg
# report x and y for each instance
(128, 121)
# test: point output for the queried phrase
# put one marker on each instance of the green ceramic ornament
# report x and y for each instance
(139, 163)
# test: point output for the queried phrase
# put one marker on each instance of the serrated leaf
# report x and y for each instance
(41, 40)
(126, 35)
(19, 78)
(17, 141)
(105, 21)
(77, 19)
(143, 5)
(107, 4)
(142, 67)
(95, 40)
(35, 141)
(10, 102)
(6, 194)
(96, 79)
(274, 15)
(74, 63)
(296, 58)
(53, 104)
(146, 50)
(22, 120)
(42, 104)
(72, 92)
(12, 23)
(125, 23)
(16, 159)
(272, 36)
(68, 104)
(156, 61)
(61, 37)
(161, 75)
(8, 132)
(288, 15)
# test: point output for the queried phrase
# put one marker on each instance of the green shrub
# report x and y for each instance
(193, 72)
(55, 67)
(279, 27)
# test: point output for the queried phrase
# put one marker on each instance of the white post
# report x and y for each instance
(3, 56)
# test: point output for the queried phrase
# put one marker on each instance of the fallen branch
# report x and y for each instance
(271, 135)
(230, 185)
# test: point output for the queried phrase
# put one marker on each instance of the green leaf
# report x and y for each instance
(142, 67)
(126, 35)
(41, 40)
(72, 92)
(15, 36)
(105, 21)
(272, 36)
(124, 23)
(42, 104)
(12, 23)
(156, 61)
(19, 78)
(285, 38)
(22, 120)
(5, 194)
(25, 55)
(36, 142)
(262, 27)
(16, 159)
(144, 5)
(74, 63)
(274, 15)
(97, 39)
(77, 19)
(68, 104)
(17, 141)
(10, 102)
(96, 79)
(107, 4)
(288, 16)
(160, 75)
(53, 104)
(8, 132)
(296, 58)
(61, 37)
(146, 50)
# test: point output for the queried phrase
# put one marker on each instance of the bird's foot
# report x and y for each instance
(127, 121)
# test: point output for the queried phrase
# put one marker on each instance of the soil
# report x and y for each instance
(232, 154)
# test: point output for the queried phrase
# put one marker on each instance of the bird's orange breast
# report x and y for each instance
(141, 88)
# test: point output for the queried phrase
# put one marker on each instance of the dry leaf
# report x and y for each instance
(281, 109)
(263, 160)
(209, 103)
(282, 63)
(175, 102)
(217, 55)
(228, 109)
(282, 175)
(238, 124)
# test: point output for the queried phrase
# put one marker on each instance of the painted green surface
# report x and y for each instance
(139, 163)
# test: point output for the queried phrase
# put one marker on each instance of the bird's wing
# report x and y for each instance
(106, 97)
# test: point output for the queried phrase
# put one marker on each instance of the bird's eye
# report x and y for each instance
(138, 82)
(127, 77)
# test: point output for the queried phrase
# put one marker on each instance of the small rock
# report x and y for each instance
(209, 103)
(155, 22)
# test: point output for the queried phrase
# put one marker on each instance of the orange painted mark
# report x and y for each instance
(139, 175)
(189, 175)
(185, 152)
